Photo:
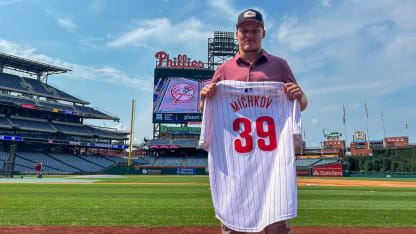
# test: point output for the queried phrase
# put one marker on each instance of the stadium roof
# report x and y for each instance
(29, 66)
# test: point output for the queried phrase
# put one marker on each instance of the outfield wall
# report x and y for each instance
(155, 170)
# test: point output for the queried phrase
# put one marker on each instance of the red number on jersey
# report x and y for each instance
(261, 132)
(244, 134)
(271, 133)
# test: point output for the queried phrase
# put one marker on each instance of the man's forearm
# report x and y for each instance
(303, 102)
(201, 106)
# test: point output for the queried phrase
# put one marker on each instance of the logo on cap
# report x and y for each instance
(248, 14)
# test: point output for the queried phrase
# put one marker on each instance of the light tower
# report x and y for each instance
(221, 48)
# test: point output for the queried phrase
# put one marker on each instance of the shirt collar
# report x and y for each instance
(263, 54)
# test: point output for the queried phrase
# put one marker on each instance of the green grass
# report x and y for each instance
(191, 205)
(362, 178)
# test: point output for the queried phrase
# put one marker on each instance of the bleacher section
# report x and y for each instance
(177, 142)
(72, 129)
(169, 161)
(11, 82)
(59, 106)
(3, 158)
(89, 110)
(14, 100)
(32, 124)
(325, 162)
(35, 87)
(5, 123)
(104, 133)
(185, 143)
(304, 163)
(312, 162)
(161, 141)
(77, 162)
(30, 85)
(147, 161)
(200, 162)
(47, 162)
(101, 161)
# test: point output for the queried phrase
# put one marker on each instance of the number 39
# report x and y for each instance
(261, 132)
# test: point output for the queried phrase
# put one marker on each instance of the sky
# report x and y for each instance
(344, 52)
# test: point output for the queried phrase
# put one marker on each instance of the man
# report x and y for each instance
(253, 64)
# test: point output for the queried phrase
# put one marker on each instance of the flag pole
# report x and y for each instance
(131, 130)
(366, 123)
(345, 131)
(384, 129)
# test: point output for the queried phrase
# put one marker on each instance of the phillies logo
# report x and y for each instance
(182, 92)
(181, 61)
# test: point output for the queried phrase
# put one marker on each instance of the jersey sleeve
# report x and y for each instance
(204, 139)
(296, 117)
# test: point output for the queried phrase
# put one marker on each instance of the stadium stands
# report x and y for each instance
(15, 100)
(148, 160)
(99, 160)
(75, 129)
(200, 162)
(77, 162)
(185, 143)
(303, 163)
(49, 162)
(5, 122)
(325, 162)
(169, 161)
(30, 85)
(11, 81)
(104, 133)
(56, 105)
(32, 124)
(89, 110)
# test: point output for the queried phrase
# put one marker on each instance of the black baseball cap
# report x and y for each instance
(250, 15)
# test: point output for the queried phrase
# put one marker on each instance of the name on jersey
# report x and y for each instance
(251, 101)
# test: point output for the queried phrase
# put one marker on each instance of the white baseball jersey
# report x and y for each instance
(248, 131)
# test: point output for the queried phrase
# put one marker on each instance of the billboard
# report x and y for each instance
(176, 94)
(332, 170)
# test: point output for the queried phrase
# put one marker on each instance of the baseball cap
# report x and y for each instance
(250, 15)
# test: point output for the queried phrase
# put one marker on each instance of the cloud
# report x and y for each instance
(326, 3)
(353, 46)
(224, 8)
(105, 74)
(162, 32)
(91, 42)
(68, 24)
(9, 2)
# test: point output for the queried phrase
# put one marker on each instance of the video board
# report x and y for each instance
(176, 94)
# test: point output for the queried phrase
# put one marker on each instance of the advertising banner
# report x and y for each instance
(333, 170)
(185, 171)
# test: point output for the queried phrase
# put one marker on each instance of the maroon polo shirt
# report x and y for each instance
(266, 68)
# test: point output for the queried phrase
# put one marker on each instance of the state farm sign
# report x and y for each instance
(181, 61)
(333, 170)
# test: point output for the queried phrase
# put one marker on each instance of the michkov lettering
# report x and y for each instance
(180, 62)
(251, 101)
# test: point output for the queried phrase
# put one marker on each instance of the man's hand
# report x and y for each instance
(295, 92)
(207, 92)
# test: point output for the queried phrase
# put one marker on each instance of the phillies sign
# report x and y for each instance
(180, 62)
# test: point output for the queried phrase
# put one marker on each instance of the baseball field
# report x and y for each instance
(182, 204)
